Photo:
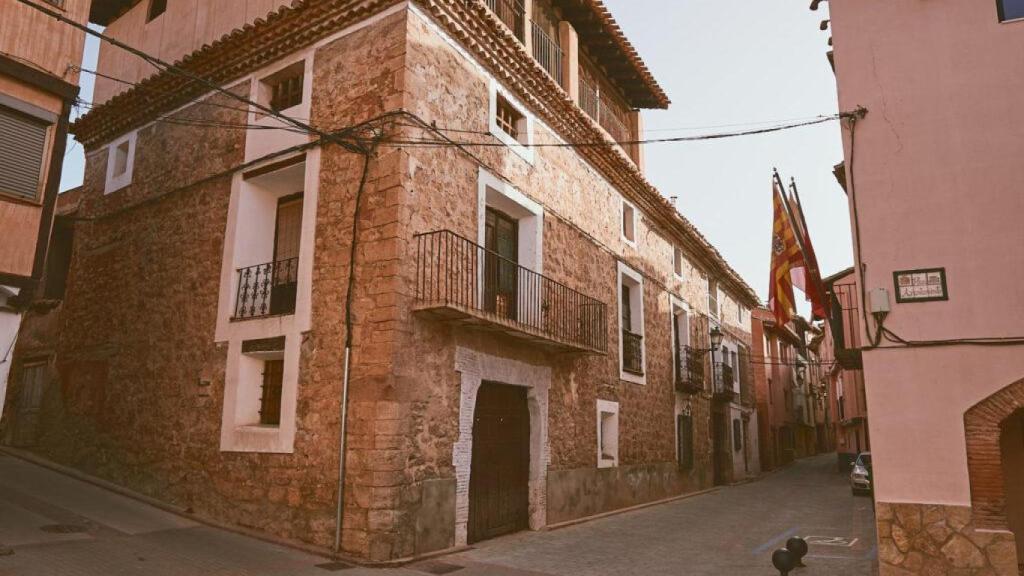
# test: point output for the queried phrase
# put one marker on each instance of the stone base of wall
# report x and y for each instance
(936, 540)
(575, 494)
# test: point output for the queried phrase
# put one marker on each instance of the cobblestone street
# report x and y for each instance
(60, 526)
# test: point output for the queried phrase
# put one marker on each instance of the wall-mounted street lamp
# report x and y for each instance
(716, 338)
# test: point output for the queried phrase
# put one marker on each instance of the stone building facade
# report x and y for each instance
(512, 332)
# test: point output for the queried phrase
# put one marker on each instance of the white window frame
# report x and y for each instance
(637, 315)
(622, 222)
(496, 193)
(259, 143)
(607, 407)
(716, 310)
(524, 149)
(119, 181)
(677, 262)
(678, 307)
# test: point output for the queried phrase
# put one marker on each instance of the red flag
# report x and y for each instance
(786, 256)
(808, 279)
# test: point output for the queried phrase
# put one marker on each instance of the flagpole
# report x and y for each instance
(812, 263)
(789, 215)
(796, 195)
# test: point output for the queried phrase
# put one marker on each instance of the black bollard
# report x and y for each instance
(798, 547)
(784, 561)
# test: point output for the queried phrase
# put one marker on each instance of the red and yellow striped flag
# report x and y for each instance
(786, 256)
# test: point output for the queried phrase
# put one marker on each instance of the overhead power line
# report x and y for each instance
(168, 67)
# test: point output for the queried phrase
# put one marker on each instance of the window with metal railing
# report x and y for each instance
(512, 13)
(267, 289)
(601, 104)
(454, 272)
(632, 353)
(547, 52)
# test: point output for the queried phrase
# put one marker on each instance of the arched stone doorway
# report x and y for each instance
(994, 430)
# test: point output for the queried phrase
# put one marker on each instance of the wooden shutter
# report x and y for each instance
(684, 433)
(22, 144)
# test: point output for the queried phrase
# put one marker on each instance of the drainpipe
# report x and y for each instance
(340, 512)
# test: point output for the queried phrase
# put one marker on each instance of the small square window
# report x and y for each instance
(1010, 10)
(120, 163)
(121, 159)
(677, 262)
(607, 434)
(284, 89)
(510, 120)
(156, 8)
(628, 222)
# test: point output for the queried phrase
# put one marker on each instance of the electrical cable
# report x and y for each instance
(165, 66)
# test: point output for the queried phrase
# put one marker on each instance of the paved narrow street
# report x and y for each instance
(60, 526)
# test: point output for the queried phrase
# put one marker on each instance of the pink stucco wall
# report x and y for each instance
(937, 177)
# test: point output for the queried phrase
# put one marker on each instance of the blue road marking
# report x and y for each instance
(775, 541)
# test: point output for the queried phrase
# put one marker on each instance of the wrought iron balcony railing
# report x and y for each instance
(547, 52)
(724, 382)
(632, 353)
(602, 108)
(689, 370)
(512, 13)
(267, 289)
(458, 278)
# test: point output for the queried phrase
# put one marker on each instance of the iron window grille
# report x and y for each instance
(632, 353)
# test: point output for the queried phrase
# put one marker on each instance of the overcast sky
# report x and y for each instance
(725, 67)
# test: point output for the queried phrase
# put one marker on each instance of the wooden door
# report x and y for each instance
(287, 235)
(720, 444)
(501, 282)
(500, 470)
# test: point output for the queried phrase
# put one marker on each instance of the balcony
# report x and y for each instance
(724, 383)
(547, 52)
(632, 353)
(689, 370)
(601, 107)
(267, 289)
(458, 280)
(512, 13)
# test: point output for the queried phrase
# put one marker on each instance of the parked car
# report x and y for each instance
(860, 476)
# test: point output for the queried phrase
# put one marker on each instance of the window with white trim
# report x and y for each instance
(510, 123)
(120, 163)
(283, 90)
(680, 342)
(628, 222)
(714, 308)
(607, 434)
(632, 356)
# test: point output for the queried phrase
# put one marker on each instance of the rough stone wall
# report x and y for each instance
(581, 246)
(934, 540)
(141, 377)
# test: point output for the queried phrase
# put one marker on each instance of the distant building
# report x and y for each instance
(781, 415)
(842, 368)
(38, 86)
(933, 175)
(531, 327)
